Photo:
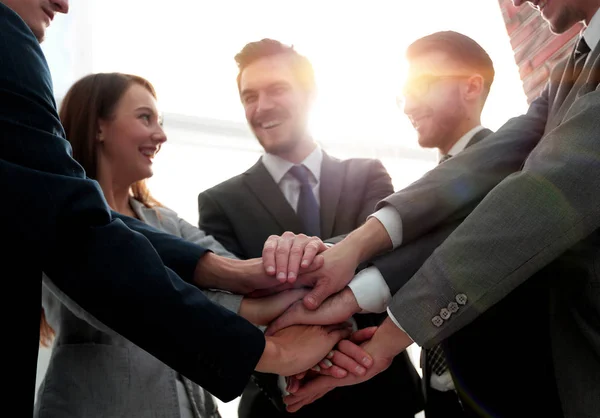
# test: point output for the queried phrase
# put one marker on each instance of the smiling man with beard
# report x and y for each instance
(296, 186)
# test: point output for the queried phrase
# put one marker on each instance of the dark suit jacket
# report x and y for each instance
(57, 221)
(528, 254)
(243, 211)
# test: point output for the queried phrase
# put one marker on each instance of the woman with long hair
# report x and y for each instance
(115, 130)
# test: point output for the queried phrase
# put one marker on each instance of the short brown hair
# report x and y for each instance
(461, 49)
(254, 51)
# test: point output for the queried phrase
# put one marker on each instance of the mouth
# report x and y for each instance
(269, 124)
(149, 152)
(50, 14)
(419, 121)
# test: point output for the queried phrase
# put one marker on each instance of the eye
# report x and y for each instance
(249, 99)
(146, 117)
(276, 90)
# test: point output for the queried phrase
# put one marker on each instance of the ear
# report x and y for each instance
(473, 87)
(101, 130)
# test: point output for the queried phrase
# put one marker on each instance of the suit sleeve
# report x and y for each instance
(214, 221)
(379, 186)
(466, 178)
(62, 223)
(523, 224)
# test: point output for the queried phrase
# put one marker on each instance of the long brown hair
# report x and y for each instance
(92, 98)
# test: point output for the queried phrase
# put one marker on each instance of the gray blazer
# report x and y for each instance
(543, 219)
(94, 372)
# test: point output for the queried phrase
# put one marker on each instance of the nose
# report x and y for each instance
(410, 104)
(60, 6)
(159, 137)
(264, 103)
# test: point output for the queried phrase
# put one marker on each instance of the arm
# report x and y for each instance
(466, 178)
(214, 222)
(65, 227)
(199, 237)
(438, 196)
(526, 222)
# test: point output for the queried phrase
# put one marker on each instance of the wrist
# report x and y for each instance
(390, 339)
(350, 300)
(367, 241)
(269, 356)
(211, 270)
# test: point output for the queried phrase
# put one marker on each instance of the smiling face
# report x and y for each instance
(561, 15)
(129, 140)
(37, 14)
(275, 103)
(434, 99)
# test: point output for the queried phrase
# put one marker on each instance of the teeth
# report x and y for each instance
(148, 153)
(270, 124)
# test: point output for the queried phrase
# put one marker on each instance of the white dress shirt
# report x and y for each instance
(591, 34)
(369, 287)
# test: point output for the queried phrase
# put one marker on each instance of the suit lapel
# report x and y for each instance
(478, 137)
(269, 195)
(569, 90)
(332, 178)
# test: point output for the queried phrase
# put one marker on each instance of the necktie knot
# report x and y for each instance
(444, 158)
(301, 173)
(581, 48)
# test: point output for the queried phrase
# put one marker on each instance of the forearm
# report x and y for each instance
(366, 241)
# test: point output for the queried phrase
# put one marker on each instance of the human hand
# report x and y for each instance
(388, 341)
(299, 347)
(337, 308)
(348, 358)
(261, 311)
(283, 256)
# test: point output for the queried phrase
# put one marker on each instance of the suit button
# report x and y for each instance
(453, 307)
(445, 313)
(437, 321)
(461, 298)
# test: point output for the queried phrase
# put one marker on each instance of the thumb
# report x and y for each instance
(363, 335)
(318, 294)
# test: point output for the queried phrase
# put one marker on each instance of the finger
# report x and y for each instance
(318, 294)
(347, 363)
(268, 254)
(295, 256)
(300, 376)
(363, 335)
(282, 254)
(312, 248)
(316, 264)
(293, 385)
(270, 291)
(356, 353)
(338, 332)
(330, 369)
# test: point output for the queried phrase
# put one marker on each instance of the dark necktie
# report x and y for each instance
(579, 56)
(308, 209)
(444, 158)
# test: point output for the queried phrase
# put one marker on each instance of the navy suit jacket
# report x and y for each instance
(57, 221)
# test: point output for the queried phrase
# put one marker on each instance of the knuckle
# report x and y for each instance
(281, 251)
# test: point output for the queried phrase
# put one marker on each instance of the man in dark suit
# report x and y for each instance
(57, 221)
(295, 186)
(533, 239)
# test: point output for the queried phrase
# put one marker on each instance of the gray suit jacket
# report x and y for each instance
(95, 372)
(543, 218)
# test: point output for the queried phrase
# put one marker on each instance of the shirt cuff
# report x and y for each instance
(392, 222)
(370, 290)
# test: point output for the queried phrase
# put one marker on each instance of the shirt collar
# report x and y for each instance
(278, 167)
(591, 33)
(462, 143)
